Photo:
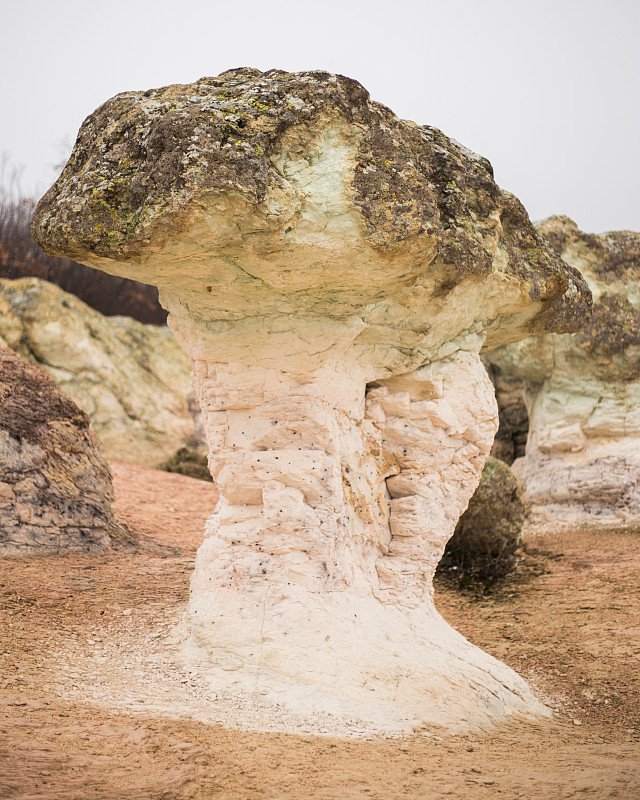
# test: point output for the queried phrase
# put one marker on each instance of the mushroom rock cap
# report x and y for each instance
(296, 193)
(610, 263)
(608, 346)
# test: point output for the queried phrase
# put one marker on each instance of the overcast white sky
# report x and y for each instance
(548, 90)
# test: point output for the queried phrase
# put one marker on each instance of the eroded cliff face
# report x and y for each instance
(55, 484)
(131, 379)
(333, 273)
(582, 463)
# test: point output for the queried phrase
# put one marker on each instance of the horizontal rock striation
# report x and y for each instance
(333, 273)
(582, 462)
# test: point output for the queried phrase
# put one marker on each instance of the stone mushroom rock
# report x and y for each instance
(55, 484)
(333, 272)
(582, 464)
(132, 379)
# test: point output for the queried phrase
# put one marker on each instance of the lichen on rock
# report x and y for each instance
(273, 150)
(333, 273)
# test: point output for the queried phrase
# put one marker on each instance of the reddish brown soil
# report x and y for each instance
(570, 624)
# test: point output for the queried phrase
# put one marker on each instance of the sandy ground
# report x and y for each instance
(89, 709)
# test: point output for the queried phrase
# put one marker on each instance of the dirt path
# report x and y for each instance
(75, 628)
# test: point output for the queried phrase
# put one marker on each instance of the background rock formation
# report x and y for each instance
(582, 463)
(55, 484)
(188, 461)
(333, 272)
(511, 439)
(131, 379)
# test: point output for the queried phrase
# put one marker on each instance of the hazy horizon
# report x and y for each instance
(548, 93)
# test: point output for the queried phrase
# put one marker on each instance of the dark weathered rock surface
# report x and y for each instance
(147, 164)
(490, 530)
(188, 461)
(55, 484)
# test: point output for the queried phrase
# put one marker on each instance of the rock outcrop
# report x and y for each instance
(582, 466)
(582, 463)
(188, 461)
(131, 379)
(55, 484)
(490, 530)
(333, 272)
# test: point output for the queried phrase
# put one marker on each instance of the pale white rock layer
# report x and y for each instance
(313, 587)
(581, 469)
(332, 272)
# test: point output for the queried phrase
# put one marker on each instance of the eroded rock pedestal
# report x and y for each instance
(582, 463)
(314, 583)
(333, 273)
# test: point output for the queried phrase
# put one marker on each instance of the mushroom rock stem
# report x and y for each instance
(314, 583)
(439, 423)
